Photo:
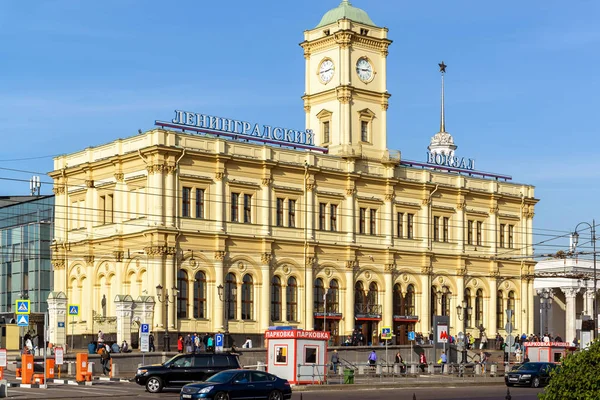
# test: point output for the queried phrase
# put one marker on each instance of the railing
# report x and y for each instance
(367, 308)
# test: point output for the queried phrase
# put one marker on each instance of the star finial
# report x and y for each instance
(442, 67)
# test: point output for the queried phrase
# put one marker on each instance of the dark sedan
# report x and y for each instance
(534, 374)
(238, 384)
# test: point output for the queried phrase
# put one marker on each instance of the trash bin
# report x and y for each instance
(348, 376)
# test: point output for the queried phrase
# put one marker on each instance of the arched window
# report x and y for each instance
(373, 299)
(511, 305)
(409, 300)
(478, 308)
(469, 307)
(183, 295)
(200, 295)
(433, 302)
(319, 290)
(230, 295)
(360, 299)
(333, 299)
(276, 299)
(398, 301)
(247, 297)
(500, 310)
(446, 301)
(291, 299)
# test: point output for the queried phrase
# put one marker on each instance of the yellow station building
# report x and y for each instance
(207, 223)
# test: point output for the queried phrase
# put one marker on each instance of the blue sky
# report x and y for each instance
(521, 88)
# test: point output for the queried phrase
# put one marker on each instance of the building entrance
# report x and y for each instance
(370, 331)
(329, 325)
(401, 330)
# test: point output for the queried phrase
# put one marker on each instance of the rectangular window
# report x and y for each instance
(511, 243)
(410, 222)
(247, 208)
(362, 215)
(446, 229)
(106, 209)
(322, 210)
(501, 236)
(479, 231)
(399, 225)
(279, 216)
(333, 217)
(235, 198)
(364, 131)
(292, 213)
(185, 201)
(326, 132)
(469, 232)
(200, 203)
(436, 229)
(373, 222)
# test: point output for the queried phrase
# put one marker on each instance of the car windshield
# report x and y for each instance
(530, 367)
(170, 360)
(222, 377)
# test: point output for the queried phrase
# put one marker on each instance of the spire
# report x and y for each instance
(442, 117)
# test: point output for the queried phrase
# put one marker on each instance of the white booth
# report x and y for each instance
(552, 352)
(297, 355)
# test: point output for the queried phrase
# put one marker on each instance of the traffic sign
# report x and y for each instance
(411, 335)
(61, 324)
(73, 309)
(59, 356)
(145, 328)
(145, 338)
(386, 333)
(508, 327)
(219, 342)
(23, 320)
(442, 333)
(23, 307)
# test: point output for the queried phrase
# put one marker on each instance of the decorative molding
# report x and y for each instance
(570, 292)
(119, 255)
(310, 261)
(89, 183)
(428, 270)
(351, 264)
(150, 169)
(310, 187)
(343, 39)
(307, 109)
(219, 176)
(219, 255)
(160, 250)
(426, 202)
(350, 191)
(344, 94)
(58, 264)
(461, 205)
(89, 260)
(389, 267)
(495, 274)
(461, 271)
(119, 176)
(494, 210)
(390, 196)
(266, 181)
(170, 169)
(266, 258)
(57, 190)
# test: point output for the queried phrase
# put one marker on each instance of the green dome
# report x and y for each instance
(345, 10)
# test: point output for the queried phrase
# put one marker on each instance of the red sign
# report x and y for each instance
(548, 344)
(297, 334)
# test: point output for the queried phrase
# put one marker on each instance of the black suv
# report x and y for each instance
(183, 369)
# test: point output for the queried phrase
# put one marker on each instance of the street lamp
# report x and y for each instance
(574, 242)
(163, 297)
(546, 298)
(226, 300)
(463, 312)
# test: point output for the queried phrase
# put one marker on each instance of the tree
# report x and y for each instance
(577, 378)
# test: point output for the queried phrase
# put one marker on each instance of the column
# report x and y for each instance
(349, 299)
(283, 300)
(570, 313)
(264, 211)
(218, 305)
(530, 308)
(57, 314)
(350, 214)
(170, 196)
(521, 311)
(388, 296)
(310, 208)
(61, 225)
(490, 315)
(493, 242)
(170, 283)
(158, 184)
(91, 212)
(308, 297)
(124, 307)
(424, 230)
(460, 225)
(156, 277)
(118, 196)
(388, 220)
(150, 197)
(589, 302)
(86, 307)
(460, 296)
(265, 293)
(425, 300)
(220, 203)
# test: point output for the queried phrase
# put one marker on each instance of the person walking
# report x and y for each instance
(210, 344)
(373, 360)
(335, 360)
(188, 343)
(151, 339)
(483, 343)
(422, 361)
(483, 361)
(104, 360)
(444, 359)
(180, 344)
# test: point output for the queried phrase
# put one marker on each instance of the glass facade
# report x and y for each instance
(26, 231)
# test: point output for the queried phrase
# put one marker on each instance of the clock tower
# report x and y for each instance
(345, 97)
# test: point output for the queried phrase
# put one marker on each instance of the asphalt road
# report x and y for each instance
(131, 390)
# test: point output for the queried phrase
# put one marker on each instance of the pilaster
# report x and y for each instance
(570, 312)
(57, 314)
(265, 300)
(218, 309)
(124, 311)
(308, 299)
(349, 299)
(388, 296)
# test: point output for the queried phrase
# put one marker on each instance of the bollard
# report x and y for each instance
(27, 368)
(477, 369)
(3, 389)
(50, 368)
(396, 369)
(70, 369)
(260, 366)
(361, 369)
(493, 370)
(413, 369)
(431, 369)
(378, 369)
(114, 370)
(81, 372)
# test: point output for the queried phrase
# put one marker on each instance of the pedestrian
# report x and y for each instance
(483, 361)
(197, 343)
(210, 344)
(444, 359)
(180, 344)
(188, 343)
(400, 362)
(92, 348)
(114, 348)
(151, 339)
(104, 360)
(373, 359)
(335, 360)
(483, 343)
(100, 337)
(125, 347)
(422, 361)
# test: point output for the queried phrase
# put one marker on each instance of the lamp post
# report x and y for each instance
(546, 298)
(574, 242)
(223, 296)
(163, 297)
(463, 312)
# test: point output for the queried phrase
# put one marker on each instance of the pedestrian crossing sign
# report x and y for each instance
(23, 307)
(23, 320)
(73, 309)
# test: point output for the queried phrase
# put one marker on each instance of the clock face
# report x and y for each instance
(326, 70)
(364, 70)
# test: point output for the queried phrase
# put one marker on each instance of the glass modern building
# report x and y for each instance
(26, 231)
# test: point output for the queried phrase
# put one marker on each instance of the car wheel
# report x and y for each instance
(535, 382)
(154, 384)
(275, 395)
(221, 396)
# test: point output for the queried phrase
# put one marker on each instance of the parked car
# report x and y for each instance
(534, 374)
(237, 385)
(183, 369)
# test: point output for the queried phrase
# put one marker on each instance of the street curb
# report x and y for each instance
(363, 386)
(69, 382)
(26, 385)
(106, 379)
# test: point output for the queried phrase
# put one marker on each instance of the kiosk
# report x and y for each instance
(548, 351)
(297, 355)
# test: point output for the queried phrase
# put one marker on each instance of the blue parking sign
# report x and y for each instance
(411, 335)
(219, 340)
(145, 328)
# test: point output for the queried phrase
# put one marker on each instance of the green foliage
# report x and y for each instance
(578, 377)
